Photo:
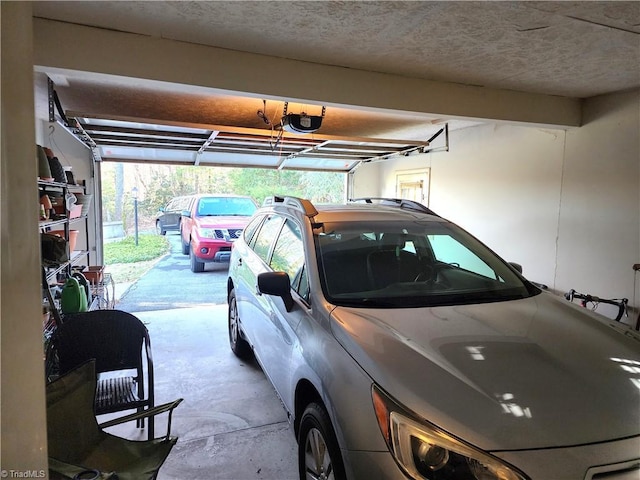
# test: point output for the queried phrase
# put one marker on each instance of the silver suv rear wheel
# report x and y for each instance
(239, 346)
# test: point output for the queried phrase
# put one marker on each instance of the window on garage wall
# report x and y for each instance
(413, 185)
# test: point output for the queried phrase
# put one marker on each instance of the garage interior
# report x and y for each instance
(541, 103)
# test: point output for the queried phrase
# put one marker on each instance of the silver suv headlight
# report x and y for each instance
(426, 452)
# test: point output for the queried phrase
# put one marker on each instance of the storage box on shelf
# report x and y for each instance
(75, 211)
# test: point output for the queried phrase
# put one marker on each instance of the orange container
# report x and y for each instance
(94, 273)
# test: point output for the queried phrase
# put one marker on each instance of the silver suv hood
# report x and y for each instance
(532, 373)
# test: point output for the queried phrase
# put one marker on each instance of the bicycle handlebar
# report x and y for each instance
(621, 303)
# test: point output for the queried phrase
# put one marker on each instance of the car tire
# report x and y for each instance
(239, 346)
(196, 265)
(159, 230)
(318, 449)
(185, 246)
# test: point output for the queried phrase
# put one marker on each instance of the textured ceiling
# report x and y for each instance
(575, 49)
(570, 49)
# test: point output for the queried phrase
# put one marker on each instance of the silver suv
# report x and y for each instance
(402, 347)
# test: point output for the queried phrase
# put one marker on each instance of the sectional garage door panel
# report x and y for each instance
(130, 140)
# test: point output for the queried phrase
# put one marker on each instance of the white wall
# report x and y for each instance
(599, 237)
(564, 204)
(71, 152)
(23, 434)
(365, 181)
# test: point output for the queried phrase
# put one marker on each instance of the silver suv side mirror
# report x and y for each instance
(278, 284)
(517, 266)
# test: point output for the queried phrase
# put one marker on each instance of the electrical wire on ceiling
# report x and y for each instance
(275, 127)
(263, 114)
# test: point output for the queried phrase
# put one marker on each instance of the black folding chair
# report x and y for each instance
(119, 342)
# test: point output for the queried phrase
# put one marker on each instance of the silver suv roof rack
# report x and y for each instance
(301, 204)
(395, 202)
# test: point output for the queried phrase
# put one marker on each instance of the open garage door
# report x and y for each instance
(170, 124)
(128, 140)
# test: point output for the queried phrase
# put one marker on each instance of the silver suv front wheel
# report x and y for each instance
(318, 451)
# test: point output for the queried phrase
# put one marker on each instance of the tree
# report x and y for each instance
(119, 191)
(324, 187)
(158, 184)
(261, 183)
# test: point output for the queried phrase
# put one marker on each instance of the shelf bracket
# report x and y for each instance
(54, 103)
(51, 90)
(445, 147)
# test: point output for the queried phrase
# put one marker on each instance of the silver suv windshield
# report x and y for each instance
(395, 264)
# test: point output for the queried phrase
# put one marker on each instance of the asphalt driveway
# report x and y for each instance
(171, 284)
(231, 425)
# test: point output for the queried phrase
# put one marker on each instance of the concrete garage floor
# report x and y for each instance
(231, 425)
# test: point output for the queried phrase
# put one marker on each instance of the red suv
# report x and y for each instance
(210, 226)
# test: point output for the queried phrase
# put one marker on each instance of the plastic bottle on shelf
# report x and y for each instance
(74, 297)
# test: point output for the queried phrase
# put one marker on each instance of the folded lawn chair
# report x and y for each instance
(79, 446)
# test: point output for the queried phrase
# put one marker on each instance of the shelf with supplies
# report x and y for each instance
(65, 249)
(59, 211)
(55, 223)
(53, 271)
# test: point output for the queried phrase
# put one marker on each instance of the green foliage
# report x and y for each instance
(323, 187)
(157, 184)
(129, 272)
(108, 193)
(126, 251)
(316, 186)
